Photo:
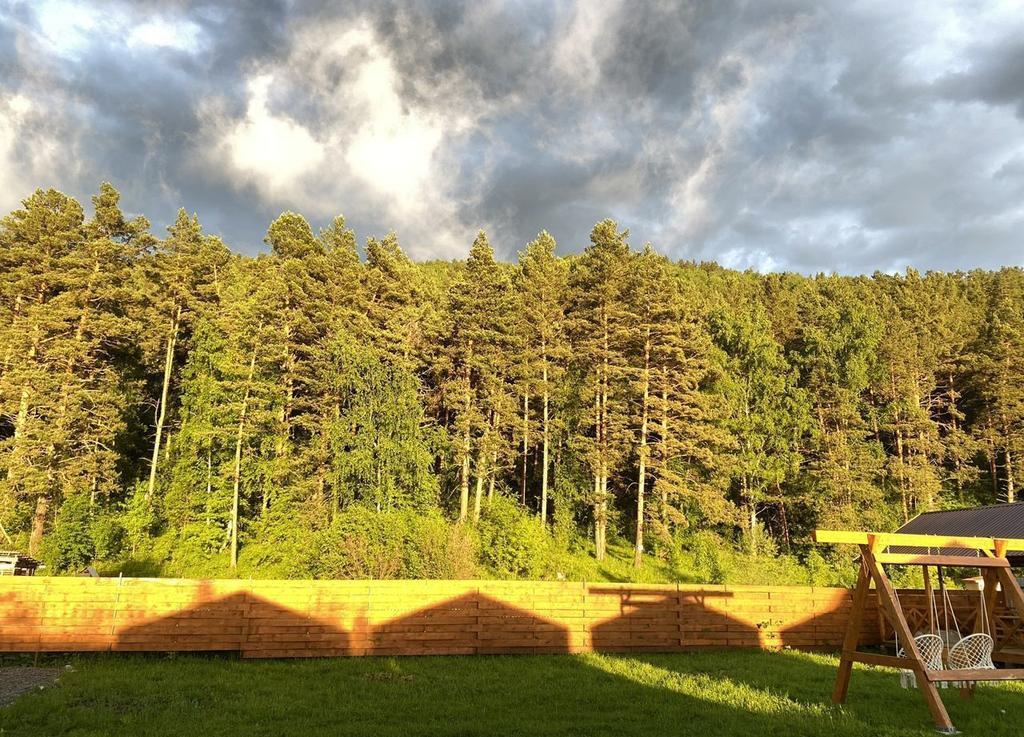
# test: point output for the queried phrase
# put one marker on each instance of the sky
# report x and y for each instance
(824, 136)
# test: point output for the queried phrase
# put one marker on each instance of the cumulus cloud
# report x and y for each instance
(31, 148)
(326, 130)
(772, 135)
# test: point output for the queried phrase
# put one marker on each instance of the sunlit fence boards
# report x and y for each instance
(329, 618)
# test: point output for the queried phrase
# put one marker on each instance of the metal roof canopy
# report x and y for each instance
(1004, 521)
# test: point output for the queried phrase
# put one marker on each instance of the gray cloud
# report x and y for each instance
(773, 135)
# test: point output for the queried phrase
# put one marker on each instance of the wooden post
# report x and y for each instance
(883, 631)
(1012, 594)
(890, 602)
(932, 624)
(852, 637)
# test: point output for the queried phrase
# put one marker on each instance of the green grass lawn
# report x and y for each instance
(714, 693)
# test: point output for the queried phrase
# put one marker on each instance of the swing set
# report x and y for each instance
(938, 656)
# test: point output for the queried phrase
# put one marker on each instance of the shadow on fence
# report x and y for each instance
(328, 618)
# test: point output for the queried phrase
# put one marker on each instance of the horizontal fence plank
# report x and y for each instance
(283, 619)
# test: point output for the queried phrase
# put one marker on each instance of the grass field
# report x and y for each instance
(705, 694)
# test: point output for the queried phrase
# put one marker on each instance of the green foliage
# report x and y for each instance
(70, 546)
(363, 543)
(108, 535)
(230, 415)
(707, 562)
(513, 544)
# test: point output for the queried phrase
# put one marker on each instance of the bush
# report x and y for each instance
(69, 545)
(707, 561)
(200, 550)
(436, 548)
(139, 519)
(108, 535)
(277, 546)
(513, 544)
(361, 543)
(364, 543)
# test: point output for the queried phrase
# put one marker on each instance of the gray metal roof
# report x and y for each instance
(994, 520)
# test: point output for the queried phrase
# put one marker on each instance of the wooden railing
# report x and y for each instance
(962, 612)
(323, 618)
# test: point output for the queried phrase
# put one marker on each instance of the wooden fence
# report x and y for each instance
(327, 618)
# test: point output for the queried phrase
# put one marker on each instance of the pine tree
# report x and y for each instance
(766, 413)
(1001, 378)
(688, 440)
(542, 284)
(185, 275)
(836, 351)
(481, 301)
(65, 380)
(598, 321)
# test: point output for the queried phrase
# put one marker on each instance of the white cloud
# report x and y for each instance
(583, 45)
(182, 35)
(365, 145)
(65, 25)
(25, 126)
(272, 151)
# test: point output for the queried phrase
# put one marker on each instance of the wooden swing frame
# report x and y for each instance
(873, 545)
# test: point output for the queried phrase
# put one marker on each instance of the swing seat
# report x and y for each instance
(974, 652)
(930, 647)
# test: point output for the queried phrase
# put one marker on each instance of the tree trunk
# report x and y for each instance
(638, 550)
(209, 481)
(1011, 494)
(602, 540)
(544, 472)
(526, 445)
(172, 340)
(464, 480)
(902, 475)
(663, 442)
(238, 460)
(784, 521)
(480, 471)
(38, 523)
(598, 552)
(466, 450)
(493, 469)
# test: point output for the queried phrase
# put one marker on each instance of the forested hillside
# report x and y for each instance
(331, 410)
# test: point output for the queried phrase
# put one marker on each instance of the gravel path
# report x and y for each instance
(16, 681)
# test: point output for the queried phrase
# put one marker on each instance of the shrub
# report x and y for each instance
(436, 548)
(364, 543)
(277, 546)
(707, 561)
(138, 519)
(69, 545)
(108, 536)
(512, 542)
(200, 550)
(361, 543)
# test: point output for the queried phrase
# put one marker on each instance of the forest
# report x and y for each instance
(331, 408)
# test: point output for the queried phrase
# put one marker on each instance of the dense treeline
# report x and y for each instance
(321, 410)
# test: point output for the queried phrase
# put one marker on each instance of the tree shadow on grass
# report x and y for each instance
(706, 693)
(593, 695)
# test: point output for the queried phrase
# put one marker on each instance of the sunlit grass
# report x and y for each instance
(712, 693)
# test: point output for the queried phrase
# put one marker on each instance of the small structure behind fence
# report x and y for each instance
(13, 563)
